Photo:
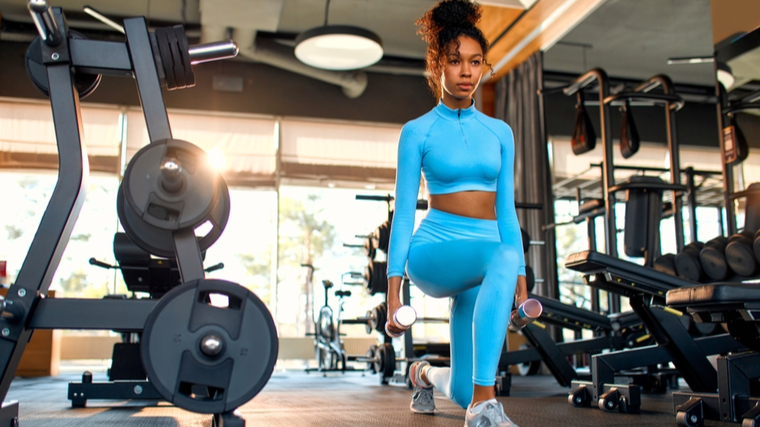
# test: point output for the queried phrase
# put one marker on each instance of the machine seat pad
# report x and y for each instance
(715, 293)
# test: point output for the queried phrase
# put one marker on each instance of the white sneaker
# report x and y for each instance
(489, 414)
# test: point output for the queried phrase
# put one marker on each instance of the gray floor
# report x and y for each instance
(297, 399)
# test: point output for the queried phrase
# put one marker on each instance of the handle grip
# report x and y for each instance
(43, 19)
(215, 51)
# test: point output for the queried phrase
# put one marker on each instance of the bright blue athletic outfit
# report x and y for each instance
(473, 261)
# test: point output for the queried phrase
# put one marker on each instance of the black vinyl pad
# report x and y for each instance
(715, 293)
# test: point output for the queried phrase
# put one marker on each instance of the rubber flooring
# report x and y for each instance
(295, 398)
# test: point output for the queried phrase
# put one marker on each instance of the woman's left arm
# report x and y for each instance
(506, 215)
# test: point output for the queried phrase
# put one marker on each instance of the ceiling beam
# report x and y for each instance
(538, 29)
(496, 19)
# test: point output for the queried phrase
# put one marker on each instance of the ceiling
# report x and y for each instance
(628, 38)
(634, 38)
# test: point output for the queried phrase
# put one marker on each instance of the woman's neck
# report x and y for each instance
(455, 103)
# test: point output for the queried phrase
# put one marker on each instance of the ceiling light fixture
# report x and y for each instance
(338, 47)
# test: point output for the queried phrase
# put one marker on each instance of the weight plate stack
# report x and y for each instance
(385, 362)
(370, 247)
(209, 358)
(174, 57)
(383, 235)
(376, 277)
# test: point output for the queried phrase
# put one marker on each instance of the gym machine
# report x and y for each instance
(646, 289)
(613, 332)
(734, 305)
(126, 376)
(208, 345)
(737, 398)
(328, 345)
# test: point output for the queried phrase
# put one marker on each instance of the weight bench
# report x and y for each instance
(737, 400)
(616, 331)
(646, 289)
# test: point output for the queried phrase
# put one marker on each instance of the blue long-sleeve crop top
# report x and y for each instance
(458, 150)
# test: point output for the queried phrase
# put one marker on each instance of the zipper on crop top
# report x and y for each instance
(461, 130)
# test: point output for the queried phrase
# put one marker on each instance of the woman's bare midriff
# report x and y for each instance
(472, 204)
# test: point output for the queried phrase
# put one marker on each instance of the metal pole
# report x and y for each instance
(692, 201)
(728, 173)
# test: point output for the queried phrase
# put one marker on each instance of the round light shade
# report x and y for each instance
(338, 47)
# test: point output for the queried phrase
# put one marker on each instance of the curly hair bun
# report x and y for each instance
(456, 13)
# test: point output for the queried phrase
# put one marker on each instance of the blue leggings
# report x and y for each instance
(463, 258)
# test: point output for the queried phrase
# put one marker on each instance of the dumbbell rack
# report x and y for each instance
(382, 359)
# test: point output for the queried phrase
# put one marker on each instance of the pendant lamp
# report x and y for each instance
(338, 47)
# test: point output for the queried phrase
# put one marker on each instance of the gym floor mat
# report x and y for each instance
(296, 399)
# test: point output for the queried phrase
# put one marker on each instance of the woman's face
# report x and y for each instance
(462, 70)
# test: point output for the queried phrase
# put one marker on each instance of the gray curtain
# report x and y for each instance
(518, 104)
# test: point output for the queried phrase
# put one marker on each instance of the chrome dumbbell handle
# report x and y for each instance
(45, 22)
(213, 51)
(527, 312)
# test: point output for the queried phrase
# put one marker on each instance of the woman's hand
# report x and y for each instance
(521, 290)
(394, 302)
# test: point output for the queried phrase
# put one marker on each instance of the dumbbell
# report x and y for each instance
(713, 259)
(687, 263)
(405, 316)
(739, 255)
(666, 264)
(527, 312)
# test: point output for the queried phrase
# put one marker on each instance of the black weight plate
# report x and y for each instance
(35, 69)
(179, 67)
(185, 376)
(184, 52)
(376, 277)
(380, 313)
(369, 247)
(166, 57)
(387, 361)
(756, 246)
(530, 278)
(187, 208)
(160, 242)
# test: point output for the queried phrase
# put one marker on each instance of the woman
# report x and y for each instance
(469, 246)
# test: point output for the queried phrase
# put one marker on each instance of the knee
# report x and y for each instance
(506, 258)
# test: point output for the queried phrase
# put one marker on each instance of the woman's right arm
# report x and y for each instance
(408, 174)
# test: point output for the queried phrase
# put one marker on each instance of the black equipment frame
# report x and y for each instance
(646, 289)
(736, 399)
(556, 356)
(27, 295)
